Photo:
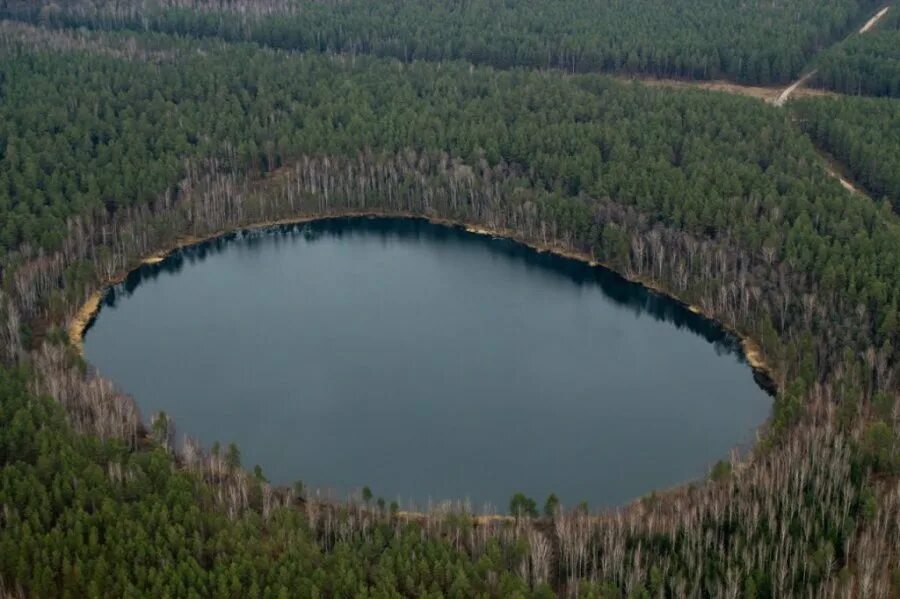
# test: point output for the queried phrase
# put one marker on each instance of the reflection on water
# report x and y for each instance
(615, 288)
(426, 361)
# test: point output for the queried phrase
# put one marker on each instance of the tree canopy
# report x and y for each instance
(865, 64)
(756, 41)
(167, 121)
(861, 133)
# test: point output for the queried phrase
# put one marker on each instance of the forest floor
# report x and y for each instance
(835, 169)
(793, 87)
(766, 93)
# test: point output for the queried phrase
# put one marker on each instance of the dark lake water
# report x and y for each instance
(427, 363)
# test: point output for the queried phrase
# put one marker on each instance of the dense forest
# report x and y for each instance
(84, 518)
(865, 64)
(861, 133)
(700, 166)
(757, 41)
(87, 518)
(116, 145)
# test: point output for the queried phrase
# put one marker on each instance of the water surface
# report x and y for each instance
(427, 363)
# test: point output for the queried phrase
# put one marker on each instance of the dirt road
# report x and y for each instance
(788, 91)
(871, 22)
(786, 94)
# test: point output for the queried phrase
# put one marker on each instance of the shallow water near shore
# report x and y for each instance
(427, 363)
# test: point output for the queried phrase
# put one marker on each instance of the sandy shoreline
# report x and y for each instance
(83, 317)
(91, 306)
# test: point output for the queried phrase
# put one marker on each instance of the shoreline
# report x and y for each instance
(764, 375)
(88, 310)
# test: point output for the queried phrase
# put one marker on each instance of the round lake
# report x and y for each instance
(428, 363)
